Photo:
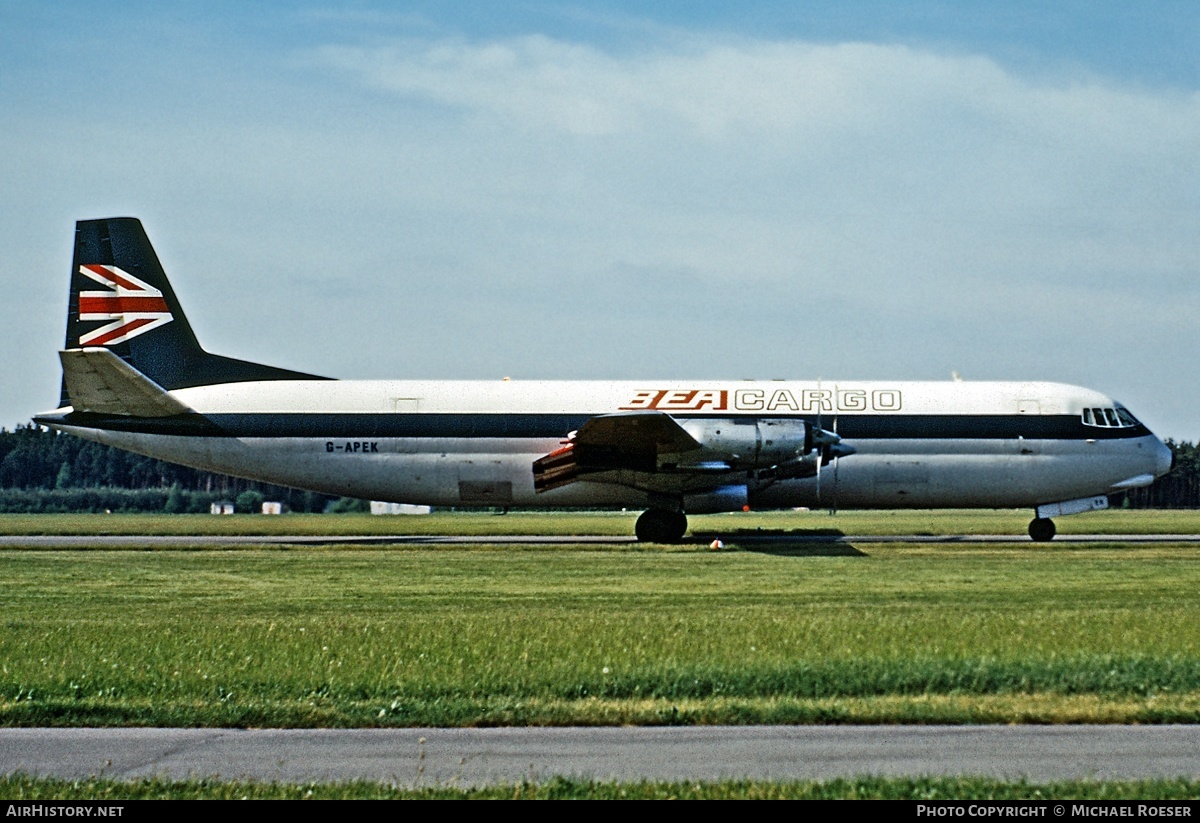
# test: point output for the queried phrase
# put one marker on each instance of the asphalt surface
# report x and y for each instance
(474, 757)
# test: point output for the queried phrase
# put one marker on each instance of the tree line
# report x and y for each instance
(47, 471)
(44, 470)
(1179, 488)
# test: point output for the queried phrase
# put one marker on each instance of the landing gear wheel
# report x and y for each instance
(660, 526)
(1041, 529)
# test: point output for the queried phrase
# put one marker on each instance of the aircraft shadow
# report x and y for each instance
(784, 542)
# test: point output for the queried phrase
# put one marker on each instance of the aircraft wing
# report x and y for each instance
(621, 443)
(98, 381)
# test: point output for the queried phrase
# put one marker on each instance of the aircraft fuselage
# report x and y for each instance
(472, 443)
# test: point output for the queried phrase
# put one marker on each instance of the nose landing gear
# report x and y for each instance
(1042, 529)
(661, 526)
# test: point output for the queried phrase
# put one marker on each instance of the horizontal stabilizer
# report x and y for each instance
(99, 381)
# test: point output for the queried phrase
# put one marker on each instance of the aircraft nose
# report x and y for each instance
(1164, 460)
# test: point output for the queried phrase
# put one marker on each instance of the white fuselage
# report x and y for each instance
(473, 443)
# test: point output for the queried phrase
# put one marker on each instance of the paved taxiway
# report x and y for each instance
(172, 541)
(473, 757)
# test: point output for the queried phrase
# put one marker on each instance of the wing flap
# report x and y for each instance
(623, 442)
(100, 382)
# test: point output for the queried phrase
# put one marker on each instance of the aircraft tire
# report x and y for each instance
(660, 526)
(1042, 529)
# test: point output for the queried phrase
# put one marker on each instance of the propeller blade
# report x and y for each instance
(834, 505)
(819, 461)
(837, 457)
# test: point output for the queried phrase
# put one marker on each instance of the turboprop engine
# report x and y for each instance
(753, 443)
(772, 449)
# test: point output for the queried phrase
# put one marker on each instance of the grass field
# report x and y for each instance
(491, 635)
(1004, 521)
(622, 633)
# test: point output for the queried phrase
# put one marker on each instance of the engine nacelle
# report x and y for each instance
(733, 498)
(751, 443)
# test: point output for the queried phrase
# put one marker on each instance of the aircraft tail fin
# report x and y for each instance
(121, 301)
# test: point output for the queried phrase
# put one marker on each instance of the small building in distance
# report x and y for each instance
(381, 507)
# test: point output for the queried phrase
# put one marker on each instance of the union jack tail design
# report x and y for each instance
(121, 300)
(133, 306)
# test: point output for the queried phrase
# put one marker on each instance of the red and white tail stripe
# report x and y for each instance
(132, 306)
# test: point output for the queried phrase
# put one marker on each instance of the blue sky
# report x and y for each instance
(622, 190)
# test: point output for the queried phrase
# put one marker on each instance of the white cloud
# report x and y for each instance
(792, 144)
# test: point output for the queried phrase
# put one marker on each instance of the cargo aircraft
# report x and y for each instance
(135, 377)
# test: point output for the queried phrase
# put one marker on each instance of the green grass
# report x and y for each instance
(21, 787)
(1004, 521)
(480, 636)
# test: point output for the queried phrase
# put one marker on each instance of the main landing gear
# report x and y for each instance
(1041, 529)
(661, 526)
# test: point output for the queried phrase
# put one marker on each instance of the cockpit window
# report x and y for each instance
(1126, 418)
(1110, 418)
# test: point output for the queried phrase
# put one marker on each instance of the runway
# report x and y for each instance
(65, 542)
(475, 757)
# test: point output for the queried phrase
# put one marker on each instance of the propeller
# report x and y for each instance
(821, 448)
(820, 460)
(829, 447)
(836, 460)
(818, 440)
(823, 441)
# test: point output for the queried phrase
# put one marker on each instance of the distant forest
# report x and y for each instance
(46, 471)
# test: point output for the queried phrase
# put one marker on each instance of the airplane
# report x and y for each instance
(135, 377)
